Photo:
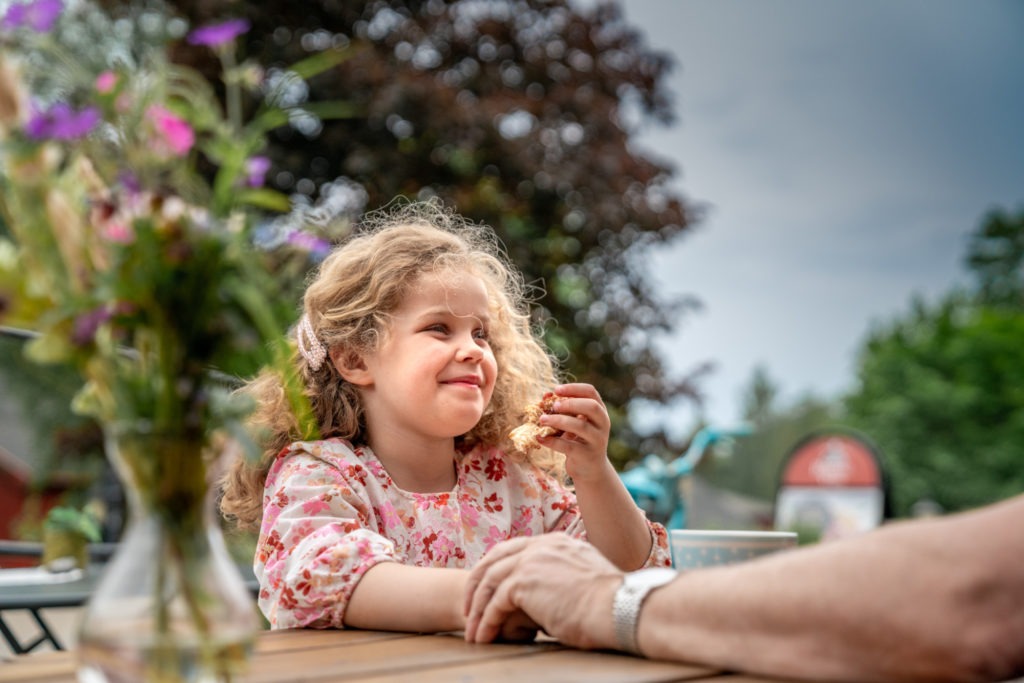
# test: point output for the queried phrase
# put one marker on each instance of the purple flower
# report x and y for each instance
(256, 170)
(87, 324)
(38, 15)
(62, 122)
(215, 35)
(130, 182)
(317, 246)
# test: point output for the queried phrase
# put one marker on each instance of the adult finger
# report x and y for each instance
(489, 597)
(487, 624)
(494, 555)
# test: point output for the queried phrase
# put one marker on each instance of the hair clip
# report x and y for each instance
(310, 348)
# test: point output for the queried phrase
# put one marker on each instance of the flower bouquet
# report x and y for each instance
(141, 246)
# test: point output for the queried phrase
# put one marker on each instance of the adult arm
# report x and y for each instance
(932, 600)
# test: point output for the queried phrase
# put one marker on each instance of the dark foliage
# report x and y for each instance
(520, 114)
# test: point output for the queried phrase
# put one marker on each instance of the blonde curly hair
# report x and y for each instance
(348, 305)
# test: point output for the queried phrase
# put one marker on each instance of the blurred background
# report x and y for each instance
(796, 216)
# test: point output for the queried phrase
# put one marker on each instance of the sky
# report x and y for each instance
(843, 152)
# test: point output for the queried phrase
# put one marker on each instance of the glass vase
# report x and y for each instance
(171, 604)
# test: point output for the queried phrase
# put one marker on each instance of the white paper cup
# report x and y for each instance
(695, 548)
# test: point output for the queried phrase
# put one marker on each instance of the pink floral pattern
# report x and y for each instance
(331, 512)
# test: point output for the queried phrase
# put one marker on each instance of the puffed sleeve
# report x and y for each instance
(661, 555)
(316, 539)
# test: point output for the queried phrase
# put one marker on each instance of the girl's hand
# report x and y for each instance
(581, 417)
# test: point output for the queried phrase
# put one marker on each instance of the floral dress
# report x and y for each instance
(331, 512)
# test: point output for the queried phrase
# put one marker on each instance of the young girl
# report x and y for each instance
(418, 357)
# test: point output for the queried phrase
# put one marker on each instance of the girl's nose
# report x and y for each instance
(469, 349)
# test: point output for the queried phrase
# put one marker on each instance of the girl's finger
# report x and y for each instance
(580, 390)
(579, 427)
(584, 409)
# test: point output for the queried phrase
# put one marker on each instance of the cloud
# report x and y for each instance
(845, 150)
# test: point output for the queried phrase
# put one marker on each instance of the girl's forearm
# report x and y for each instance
(615, 525)
(397, 597)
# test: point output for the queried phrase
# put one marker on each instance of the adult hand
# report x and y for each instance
(584, 426)
(564, 585)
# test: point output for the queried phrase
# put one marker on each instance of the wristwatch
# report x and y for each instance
(629, 598)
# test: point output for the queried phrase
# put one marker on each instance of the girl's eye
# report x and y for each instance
(482, 334)
(438, 327)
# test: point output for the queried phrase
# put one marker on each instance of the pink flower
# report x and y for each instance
(389, 516)
(105, 82)
(312, 507)
(176, 135)
(494, 536)
(119, 232)
(470, 515)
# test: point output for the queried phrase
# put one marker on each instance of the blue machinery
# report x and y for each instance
(655, 484)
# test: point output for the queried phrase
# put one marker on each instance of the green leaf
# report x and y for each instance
(320, 62)
(265, 198)
(263, 317)
(327, 111)
(332, 109)
(74, 521)
(49, 348)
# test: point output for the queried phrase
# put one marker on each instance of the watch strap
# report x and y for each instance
(629, 599)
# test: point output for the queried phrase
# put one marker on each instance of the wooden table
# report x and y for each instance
(378, 657)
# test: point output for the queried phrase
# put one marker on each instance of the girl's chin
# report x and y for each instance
(460, 426)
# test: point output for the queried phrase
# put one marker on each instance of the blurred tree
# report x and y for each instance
(517, 113)
(996, 257)
(752, 467)
(941, 389)
(942, 393)
(64, 451)
(761, 396)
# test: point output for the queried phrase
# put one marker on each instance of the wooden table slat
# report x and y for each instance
(405, 656)
(309, 639)
(313, 656)
(39, 668)
(556, 667)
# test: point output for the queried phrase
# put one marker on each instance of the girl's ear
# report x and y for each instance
(351, 367)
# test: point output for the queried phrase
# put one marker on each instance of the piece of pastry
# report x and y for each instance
(524, 437)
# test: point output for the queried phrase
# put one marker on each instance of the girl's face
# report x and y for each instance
(434, 373)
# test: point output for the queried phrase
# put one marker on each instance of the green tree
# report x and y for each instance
(941, 389)
(942, 393)
(752, 468)
(520, 114)
(995, 255)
